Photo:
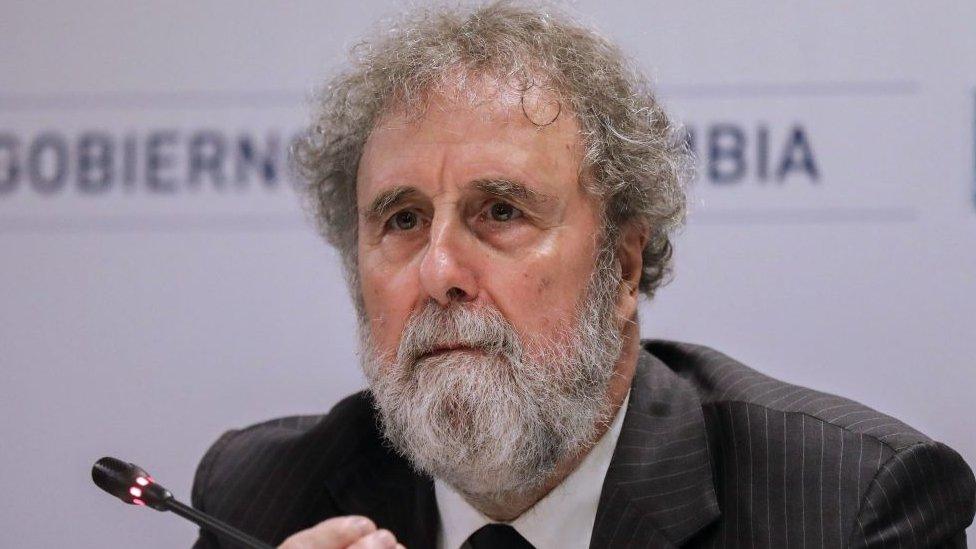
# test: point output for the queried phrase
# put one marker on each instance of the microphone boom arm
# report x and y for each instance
(216, 526)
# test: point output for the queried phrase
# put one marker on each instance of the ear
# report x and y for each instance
(630, 250)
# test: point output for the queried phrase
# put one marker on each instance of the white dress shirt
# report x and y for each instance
(561, 520)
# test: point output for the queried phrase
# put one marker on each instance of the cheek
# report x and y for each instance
(543, 286)
(387, 299)
(541, 301)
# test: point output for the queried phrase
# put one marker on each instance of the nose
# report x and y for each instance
(445, 270)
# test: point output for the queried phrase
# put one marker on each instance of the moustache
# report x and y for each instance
(436, 328)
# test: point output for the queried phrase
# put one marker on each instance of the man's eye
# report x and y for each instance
(403, 220)
(503, 211)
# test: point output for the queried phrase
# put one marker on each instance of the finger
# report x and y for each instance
(334, 533)
(380, 539)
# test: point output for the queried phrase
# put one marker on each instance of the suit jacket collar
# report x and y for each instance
(658, 488)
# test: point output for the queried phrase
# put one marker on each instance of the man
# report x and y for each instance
(502, 187)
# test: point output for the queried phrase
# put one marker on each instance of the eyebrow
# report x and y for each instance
(513, 190)
(501, 187)
(387, 200)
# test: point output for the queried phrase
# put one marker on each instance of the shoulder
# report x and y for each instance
(923, 496)
(339, 434)
(723, 382)
(885, 477)
(284, 463)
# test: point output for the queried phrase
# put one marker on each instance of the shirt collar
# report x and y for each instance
(562, 519)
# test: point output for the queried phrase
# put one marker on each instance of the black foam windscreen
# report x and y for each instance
(116, 477)
(128, 482)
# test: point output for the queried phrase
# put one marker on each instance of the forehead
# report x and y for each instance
(479, 131)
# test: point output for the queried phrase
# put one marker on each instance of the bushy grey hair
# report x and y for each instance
(635, 160)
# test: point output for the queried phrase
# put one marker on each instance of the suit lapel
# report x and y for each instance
(658, 491)
(383, 486)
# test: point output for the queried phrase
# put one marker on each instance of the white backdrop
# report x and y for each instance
(159, 283)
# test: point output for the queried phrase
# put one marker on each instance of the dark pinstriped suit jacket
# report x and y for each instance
(711, 454)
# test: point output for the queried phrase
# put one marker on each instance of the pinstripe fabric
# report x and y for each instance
(285, 475)
(711, 454)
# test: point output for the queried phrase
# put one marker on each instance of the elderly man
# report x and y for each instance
(502, 185)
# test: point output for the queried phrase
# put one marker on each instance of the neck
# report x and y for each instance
(507, 506)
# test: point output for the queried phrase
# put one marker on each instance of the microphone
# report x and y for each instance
(133, 485)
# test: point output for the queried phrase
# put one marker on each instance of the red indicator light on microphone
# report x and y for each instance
(138, 501)
(136, 492)
(142, 482)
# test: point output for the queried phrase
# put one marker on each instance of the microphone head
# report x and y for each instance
(128, 482)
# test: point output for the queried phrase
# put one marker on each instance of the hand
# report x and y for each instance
(350, 532)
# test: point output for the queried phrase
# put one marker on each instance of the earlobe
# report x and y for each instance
(630, 250)
(630, 253)
(632, 288)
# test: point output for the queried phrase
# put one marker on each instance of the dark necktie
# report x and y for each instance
(497, 536)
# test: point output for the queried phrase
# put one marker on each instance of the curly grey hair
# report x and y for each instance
(635, 157)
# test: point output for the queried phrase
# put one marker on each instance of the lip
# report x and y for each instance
(451, 349)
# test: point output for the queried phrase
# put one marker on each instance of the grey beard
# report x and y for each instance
(498, 420)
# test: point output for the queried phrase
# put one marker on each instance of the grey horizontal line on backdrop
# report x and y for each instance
(812, 216)
(151, 100)
(113, 100)
(801, 89)
(156, 223)
(224, 223)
